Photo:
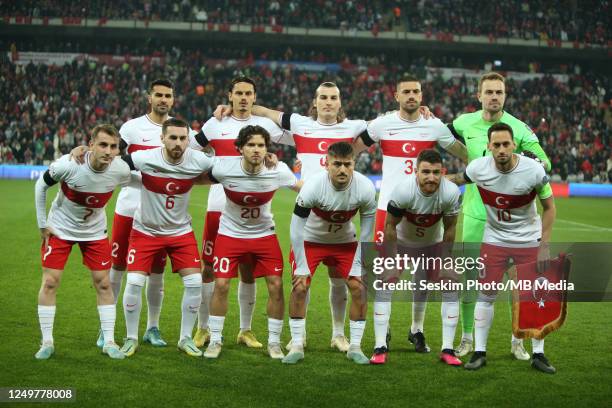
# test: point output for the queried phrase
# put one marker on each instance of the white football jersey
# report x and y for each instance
(512, 215)
(249, 197)
(221, 136)
(422, 214)
(329, 221)
(140, 134)
(77, 213)
(313, 138)
(163, 209)
(401, 141)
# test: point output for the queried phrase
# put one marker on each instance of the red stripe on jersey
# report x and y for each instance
(405, 148)
(91, 200)
(224, 147)
(316, 145)
(422, 220)
(136, 147)
(505, 201)
(249, 199)
(166, 185)
(337, 216)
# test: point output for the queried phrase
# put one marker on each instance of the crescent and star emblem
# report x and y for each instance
(408, 148)
(501, 201)
(337, 217)
(323, 146)
(91, 200)
(249, 199)
(171, 187)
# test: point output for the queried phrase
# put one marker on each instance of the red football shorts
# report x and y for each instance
(96, 254)
(338, 256)
(264, 254)
(496, 260)
(143, 250)
(120, 241)
(211, 228)
(379, 226)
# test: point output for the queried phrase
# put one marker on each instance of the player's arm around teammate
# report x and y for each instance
(77, 216)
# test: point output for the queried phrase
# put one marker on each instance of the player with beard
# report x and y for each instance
(508, 184)
(472, 129)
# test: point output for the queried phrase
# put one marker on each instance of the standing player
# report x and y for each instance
(422, 218)
(313, 135)
(472, 129)
(246, 230)
(402, 135)
(221, 136)
(141, 133)
(78, 216)
(162, 225)
(508, 184)
(321, 231)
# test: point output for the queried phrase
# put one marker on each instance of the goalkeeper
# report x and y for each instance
(471, 129)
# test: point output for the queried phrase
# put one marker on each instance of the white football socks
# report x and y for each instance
(382, 313)
(215, 323)
(275, 328)
(116, 277)
(46, 316)
(297, 327)
(418, 316)
(338, 293)
(537, 346)
(247, 293)
(207, 291)
(450, 318)
(132, 303)
(483, 317)
(155, 298)
(357, 327)
(108, 315)
(192, 296)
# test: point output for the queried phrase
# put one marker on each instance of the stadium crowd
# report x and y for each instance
(47, 110)
(564, 20)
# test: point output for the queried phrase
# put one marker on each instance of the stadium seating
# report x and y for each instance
(584, 21)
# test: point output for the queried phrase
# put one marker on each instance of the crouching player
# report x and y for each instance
(508, 184)
(421, 218)
(246, 232)
(77, 216)
(321, 231)
(162, 224)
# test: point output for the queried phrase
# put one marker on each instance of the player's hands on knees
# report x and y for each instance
(78, 154)
(427, 114)
(271, 160)
(221, 111)
(299, 280)
(45, 234)
(543, 257)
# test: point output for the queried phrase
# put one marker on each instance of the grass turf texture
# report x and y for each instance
(244, 377)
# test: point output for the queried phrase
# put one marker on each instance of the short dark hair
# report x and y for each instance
(341, 149)
(239, 79)
(106, 128)
(247, 132)
(499, 127)
(430, 156)
(161, 81)
(407, 78)
(175, 123)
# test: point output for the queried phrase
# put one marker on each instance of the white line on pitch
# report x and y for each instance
(580, 224)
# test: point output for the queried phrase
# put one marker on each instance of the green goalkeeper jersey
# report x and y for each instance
(473, 129)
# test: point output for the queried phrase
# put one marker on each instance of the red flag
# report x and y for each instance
(539, 303)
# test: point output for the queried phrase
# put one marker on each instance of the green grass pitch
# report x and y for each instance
(243, 377)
